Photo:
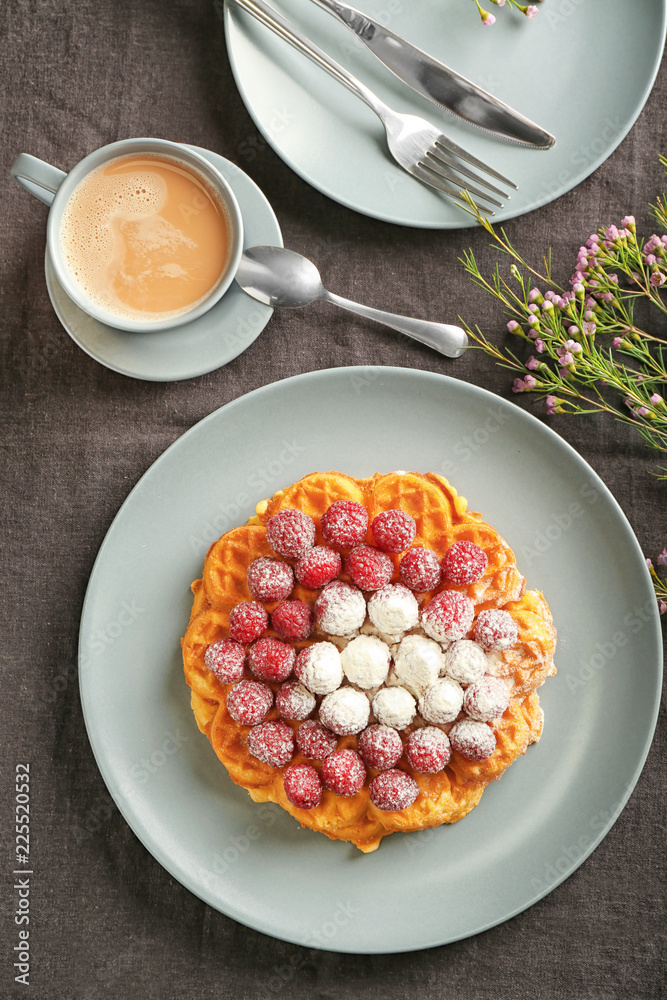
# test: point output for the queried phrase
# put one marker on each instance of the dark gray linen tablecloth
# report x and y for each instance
(107, 920)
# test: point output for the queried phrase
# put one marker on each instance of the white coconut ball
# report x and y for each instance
(418, 662)
(442, 701)
(319, 667)
(393, 609)
(345, 711)
(465, 661)
(394, 706)
(366, 661)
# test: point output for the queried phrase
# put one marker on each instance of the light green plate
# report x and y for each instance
(534, 826)
(195, 348)
(582, 69)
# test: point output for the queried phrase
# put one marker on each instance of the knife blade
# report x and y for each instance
(437, 82)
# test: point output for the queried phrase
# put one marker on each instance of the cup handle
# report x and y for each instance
(37, 177)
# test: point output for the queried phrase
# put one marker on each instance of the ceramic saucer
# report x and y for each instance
(195, 348)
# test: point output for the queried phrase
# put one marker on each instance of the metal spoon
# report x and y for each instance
(280, 277)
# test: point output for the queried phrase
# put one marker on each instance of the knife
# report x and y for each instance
(442, 85)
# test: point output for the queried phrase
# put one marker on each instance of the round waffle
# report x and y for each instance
(442, 518)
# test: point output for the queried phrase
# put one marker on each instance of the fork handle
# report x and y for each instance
(448, 340)
(273, 19)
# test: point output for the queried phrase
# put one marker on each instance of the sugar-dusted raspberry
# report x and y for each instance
(249, 701)
(340, 609)
(369, 568)
(343, 773)
(291, 533)
(463, 563)
(294, 701)
(345, 711)
(486, 699)
(226, 659)
(473, 740)
(345, 524)
(314, 741)
(271, 660)
(270, 579)
(303, 787)
(495, 630)
(293, 620)
(448, 616)
(393, 790)
(427, 749)
(393, 530)
(420, 569)
(319, 566)
(247, 621)
(272, 743)
(381, 747)
(319, 667)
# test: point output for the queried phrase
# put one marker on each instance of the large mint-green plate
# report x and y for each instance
(534, 826)
(582, 69)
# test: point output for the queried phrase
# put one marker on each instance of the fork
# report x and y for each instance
(416, 145)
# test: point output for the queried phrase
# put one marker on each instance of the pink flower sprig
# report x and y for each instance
(529, 10)
(587, 353)
(659, 583)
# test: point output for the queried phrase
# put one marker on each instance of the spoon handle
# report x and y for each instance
(448, 340)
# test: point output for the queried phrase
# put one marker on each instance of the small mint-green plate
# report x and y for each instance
(582, 69)
(533, 827)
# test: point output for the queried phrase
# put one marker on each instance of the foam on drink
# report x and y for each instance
(145, 237)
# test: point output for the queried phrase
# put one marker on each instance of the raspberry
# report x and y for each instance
(247, 621)
(381, 747)
(294, 701)
(420, 569)
(448, 616)
(343, 773)
(226, 659)
(393, 530)
(293, 620)
(393, 790)
(495, 630)
(272, 743)
(463, 563)
(270, 579)
(345, 524)
(249, 701)
(314, 741)
(303, 787)
(486, 699)
(427, 750)
(271, 659)
(319, 566)
(291, 533)
(369, 568)
(473, 740)
(340, 609)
